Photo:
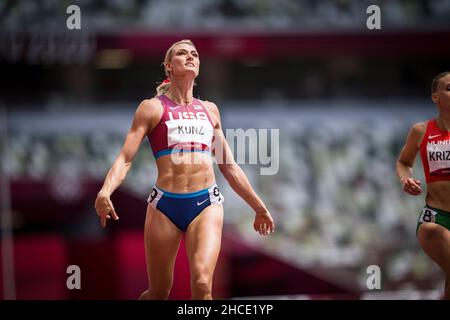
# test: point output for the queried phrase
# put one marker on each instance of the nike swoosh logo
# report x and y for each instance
(171, 108)
(200, 203)
(436, 135)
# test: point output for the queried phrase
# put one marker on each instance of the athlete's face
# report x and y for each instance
(184, 60)
(442, 95)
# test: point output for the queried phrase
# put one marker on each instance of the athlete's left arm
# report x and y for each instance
(236, 177)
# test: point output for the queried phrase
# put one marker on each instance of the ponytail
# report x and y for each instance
(163, 87)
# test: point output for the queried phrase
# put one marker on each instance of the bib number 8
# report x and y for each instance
(427, 216)
(153, 195)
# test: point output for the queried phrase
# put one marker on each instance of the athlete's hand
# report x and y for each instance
(264, 223)
(105, 209)
(412, 186)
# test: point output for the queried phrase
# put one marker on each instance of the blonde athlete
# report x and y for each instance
(186, 199)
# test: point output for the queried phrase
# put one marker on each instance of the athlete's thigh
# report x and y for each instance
(162, 240)
(435, 241)
(203, 239)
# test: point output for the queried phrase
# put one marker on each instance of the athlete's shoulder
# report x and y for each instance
(417, 132)
(151, 103)
(148, 106)
(419, 127)
(149, 110)
(211, 107)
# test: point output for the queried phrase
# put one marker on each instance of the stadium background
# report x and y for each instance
(342, 96)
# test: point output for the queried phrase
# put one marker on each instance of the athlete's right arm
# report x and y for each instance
(145, 118)
(405, 162)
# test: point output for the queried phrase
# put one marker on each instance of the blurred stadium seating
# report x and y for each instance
(336, 199)
(215, 14)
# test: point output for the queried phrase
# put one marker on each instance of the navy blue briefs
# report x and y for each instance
(183, 208)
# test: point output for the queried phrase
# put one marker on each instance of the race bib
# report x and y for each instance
(427, 216)
(189, 130)
(439, 158)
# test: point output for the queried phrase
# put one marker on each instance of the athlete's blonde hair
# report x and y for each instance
(165, 85)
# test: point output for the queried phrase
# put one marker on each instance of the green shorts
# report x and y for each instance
(434, 215)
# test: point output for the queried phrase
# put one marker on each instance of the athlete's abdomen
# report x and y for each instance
(438, 195)
(185, 172)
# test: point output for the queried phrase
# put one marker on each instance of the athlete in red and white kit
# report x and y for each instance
(432, 139)
(184, 133)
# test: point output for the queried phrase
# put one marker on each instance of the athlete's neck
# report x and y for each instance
(443, 121)
(181, 92)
